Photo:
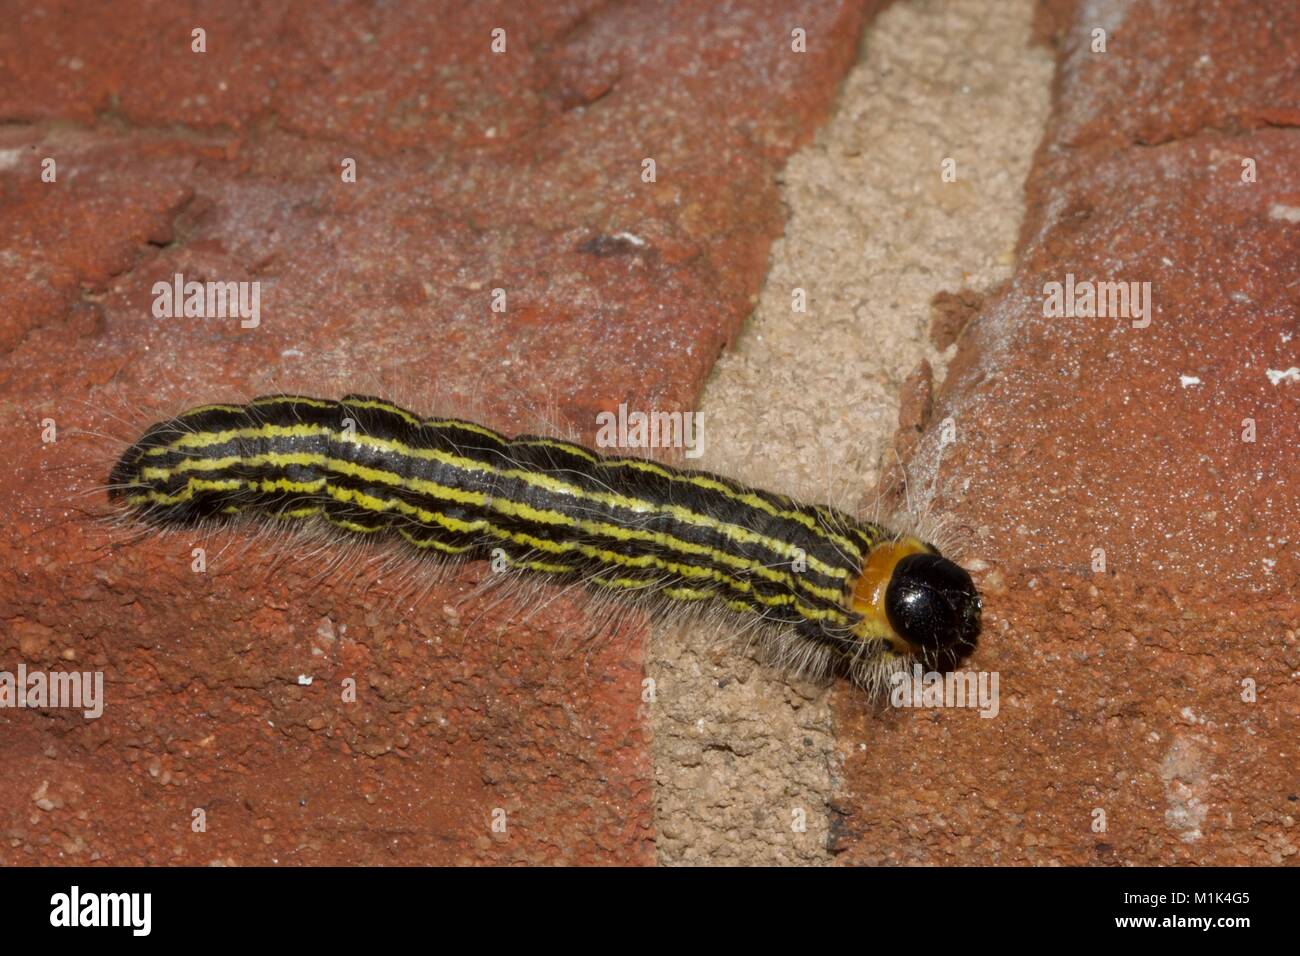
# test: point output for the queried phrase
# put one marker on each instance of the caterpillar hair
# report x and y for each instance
(836, 594)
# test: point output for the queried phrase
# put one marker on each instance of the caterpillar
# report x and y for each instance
(851, 596)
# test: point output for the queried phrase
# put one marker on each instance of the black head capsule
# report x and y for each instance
(932, 604)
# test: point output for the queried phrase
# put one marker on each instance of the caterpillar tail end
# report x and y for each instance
(922, 604)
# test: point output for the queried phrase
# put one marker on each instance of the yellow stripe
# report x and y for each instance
(201, 409)
(259, 402)
(546, 482)
(382, 406)
(542, 566)
(293, 400)
(298, 513)
(352, 526)
(305, 459)
(605, 556)
(700, 481)
(433, 543)
(627, 584)
(410, 419)
(689, 594)
(204, 439)
(467, 426)
(371, 503)
(423, 486)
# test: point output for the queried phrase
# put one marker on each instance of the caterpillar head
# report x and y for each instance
(919, 602)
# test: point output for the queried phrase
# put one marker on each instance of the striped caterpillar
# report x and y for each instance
(843, 595)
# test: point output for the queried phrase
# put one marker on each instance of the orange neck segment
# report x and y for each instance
(869, 590)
